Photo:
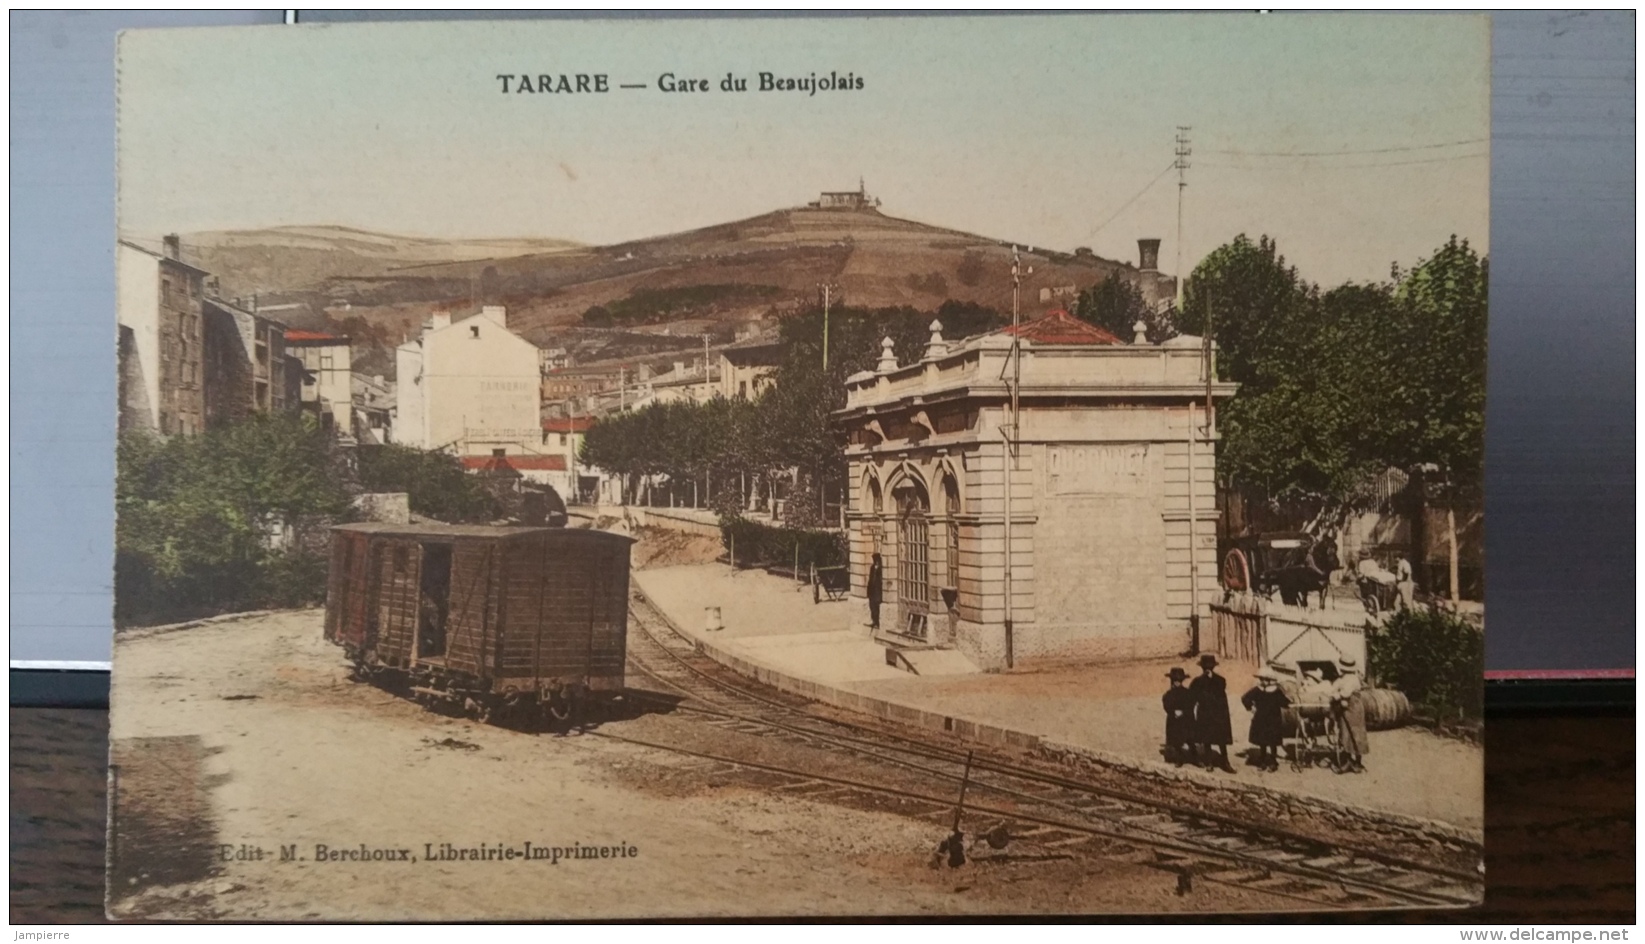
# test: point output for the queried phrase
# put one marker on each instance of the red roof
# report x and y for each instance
(1059, 327)
(516, 463)
(568, 424)
(295, 335)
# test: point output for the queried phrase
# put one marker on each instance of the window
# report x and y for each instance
(473, 331)
(562, 439)
(325, 360)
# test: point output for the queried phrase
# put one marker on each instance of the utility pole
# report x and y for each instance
(1183, 151)
(1010, 432)
(828, 291)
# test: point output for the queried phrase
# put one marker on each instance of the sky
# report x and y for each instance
(1356, 140)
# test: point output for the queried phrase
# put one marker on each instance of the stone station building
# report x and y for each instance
(1099, 512)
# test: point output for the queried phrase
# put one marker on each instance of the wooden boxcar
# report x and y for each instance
(485, 619)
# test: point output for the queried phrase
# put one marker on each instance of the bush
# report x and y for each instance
(756, 544)
(1436, 658)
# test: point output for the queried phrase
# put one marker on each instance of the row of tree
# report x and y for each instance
(1339, 384)
(733, 445)
(1336, 384)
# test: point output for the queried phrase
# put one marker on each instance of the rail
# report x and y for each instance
(1047, 809)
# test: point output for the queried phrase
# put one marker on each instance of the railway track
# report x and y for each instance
(1059, 815)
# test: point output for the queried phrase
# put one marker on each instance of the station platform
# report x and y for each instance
(1107, 714)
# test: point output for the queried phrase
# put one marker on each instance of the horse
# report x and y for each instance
(1313, 575)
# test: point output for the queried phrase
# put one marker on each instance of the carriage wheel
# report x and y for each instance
(1236, 572)
(1371, 604)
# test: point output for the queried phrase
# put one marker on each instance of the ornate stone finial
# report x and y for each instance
(1141, 328)
(936, 347)
(888, 356)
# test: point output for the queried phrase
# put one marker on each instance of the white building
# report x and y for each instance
(1091, 507)
(328, 380)
(162, 340)
(686, 383)
(469, 387)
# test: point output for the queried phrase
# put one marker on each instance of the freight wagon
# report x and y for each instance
(490, 621)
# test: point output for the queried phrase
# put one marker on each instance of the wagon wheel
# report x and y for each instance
(1372, 604)
(1236, 572)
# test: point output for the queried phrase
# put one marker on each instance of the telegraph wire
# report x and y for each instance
(1428, 160)
(1385, 150)
(1135, 197)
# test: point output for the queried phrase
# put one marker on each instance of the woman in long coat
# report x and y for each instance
(1266, 702)
(1348, 707)
(1212, 726)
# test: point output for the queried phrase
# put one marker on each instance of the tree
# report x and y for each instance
(1437, 410)
(435, 483)
(1339, 385)
(231, 519)
(1115, 304)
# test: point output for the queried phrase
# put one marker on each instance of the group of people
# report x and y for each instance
(1198, 728)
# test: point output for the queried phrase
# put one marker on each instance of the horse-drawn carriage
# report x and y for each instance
(1290, 564)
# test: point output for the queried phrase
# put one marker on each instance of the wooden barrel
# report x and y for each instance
(1385, 708)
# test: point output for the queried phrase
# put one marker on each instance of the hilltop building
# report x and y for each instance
(857, 199)
(162, 340)
(1107, 539)
(471, 387)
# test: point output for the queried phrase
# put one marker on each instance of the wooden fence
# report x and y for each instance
(1253, 632)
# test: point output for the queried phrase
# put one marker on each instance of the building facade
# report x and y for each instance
(246, 365)
(686, 383)
(747, 369)
(471, 387)
(373, 402)
(563, 436)
(1090, 507)
(328, 385)
(162, 340)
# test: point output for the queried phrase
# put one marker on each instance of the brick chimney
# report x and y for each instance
(495, 313)
(442, 319)
(1148, 249)
(173, 246)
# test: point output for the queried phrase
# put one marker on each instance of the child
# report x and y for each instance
(1266, 702)
(1179, 719)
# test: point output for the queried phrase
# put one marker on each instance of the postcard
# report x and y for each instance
(800, 467)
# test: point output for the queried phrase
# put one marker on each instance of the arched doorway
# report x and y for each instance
(913, 557)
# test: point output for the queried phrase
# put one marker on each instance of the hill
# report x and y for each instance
(381, 288)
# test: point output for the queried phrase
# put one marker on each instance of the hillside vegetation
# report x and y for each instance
(765, 266)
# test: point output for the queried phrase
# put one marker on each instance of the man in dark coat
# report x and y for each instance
(1267, 704)
(1213, 730)
(1179, 719)
(876, 590)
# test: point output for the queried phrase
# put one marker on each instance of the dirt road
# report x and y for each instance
(237, 739)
